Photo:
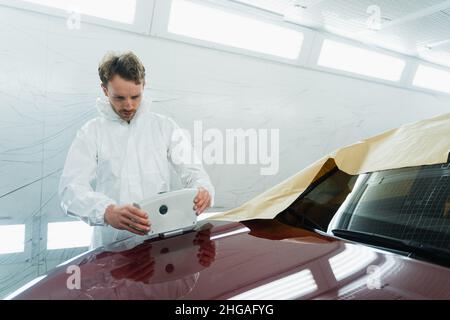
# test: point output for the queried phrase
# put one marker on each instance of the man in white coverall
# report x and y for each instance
(124, 155)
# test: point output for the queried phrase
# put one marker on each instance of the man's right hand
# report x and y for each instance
(128, 218)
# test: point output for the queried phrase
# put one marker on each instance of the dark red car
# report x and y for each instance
(381, 235)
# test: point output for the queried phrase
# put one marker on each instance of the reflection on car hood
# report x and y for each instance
(257, 259)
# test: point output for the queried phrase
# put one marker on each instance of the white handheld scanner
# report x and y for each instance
(170, 213)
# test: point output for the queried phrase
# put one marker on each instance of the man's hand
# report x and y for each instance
(128, 218)
(202, 200)
(207, 251)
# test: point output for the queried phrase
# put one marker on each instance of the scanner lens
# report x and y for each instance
(163, 209)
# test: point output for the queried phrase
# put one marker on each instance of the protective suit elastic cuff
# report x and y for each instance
(100, 213)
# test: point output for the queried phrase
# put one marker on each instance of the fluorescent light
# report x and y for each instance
(353, 59)
(71, 234)
(115, 10)
(231, 233)
(269, 5)
(350, 261)
(293, 286)
(12, 238)
(432, 78)
(218, 26)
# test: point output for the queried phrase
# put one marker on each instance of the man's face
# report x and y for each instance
(125, 96)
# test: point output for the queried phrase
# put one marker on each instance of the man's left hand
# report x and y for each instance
(202, 200)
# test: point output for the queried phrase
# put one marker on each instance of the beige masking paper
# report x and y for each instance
(425, 142)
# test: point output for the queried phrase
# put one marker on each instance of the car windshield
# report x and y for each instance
(407, 204)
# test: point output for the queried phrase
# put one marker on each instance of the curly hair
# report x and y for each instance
(127, 65)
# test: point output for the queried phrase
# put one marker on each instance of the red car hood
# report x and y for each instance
(258, 259)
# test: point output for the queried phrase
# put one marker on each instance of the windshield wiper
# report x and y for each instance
(413, 248)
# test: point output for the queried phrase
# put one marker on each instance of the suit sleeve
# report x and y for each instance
(78, 198)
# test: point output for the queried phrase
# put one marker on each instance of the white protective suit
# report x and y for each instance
(112, 161)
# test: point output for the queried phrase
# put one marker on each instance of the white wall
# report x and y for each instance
(49, 82)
